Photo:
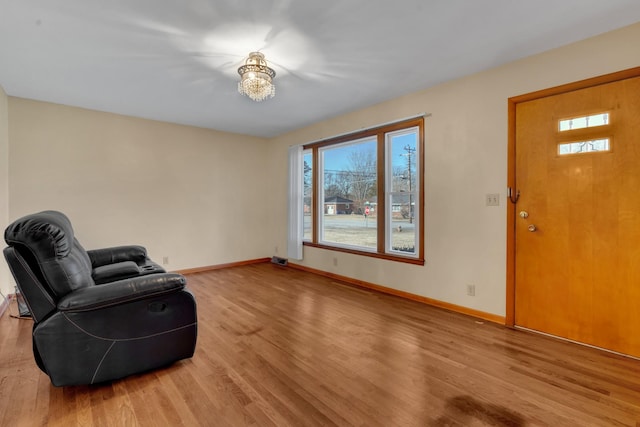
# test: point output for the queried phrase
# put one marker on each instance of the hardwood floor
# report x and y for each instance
(282, 347)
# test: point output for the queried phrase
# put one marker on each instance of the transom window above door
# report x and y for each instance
(594, 120)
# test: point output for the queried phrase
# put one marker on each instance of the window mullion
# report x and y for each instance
(382, 202)
(315, 183)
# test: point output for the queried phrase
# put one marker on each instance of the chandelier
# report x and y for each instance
(256, 78)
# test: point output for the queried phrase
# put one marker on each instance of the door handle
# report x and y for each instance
(532, 228)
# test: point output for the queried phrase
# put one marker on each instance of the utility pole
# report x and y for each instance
(410, 150)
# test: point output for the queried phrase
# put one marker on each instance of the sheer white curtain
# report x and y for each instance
(295, 229)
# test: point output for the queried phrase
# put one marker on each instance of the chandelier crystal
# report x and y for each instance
(256, 78)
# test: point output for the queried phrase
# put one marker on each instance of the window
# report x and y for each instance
(307, 194)
(601, 119)
(363, 192)
(401, 190)
(348, 178)
(584, 146)
(584, 134)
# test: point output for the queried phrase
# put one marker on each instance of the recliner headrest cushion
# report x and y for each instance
(48, 238)
(48, 232)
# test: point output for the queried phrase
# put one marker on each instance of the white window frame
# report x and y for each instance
(304, 153)
(321, 196)
(388, 193)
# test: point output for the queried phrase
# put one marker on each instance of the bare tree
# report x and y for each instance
(337, 183)
(307, 176)
(362, 176)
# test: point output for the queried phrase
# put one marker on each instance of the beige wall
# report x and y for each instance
(5, 286)
(465, 158)
(197, 196)
(203, 197)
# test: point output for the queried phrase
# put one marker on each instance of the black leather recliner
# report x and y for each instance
(99, 315)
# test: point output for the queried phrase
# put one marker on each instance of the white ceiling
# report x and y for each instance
(176, 60)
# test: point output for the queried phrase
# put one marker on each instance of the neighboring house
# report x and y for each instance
(400, 206)
(336, 205)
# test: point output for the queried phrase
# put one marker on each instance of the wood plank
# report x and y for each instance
(283, 347)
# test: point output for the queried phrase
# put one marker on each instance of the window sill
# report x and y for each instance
(388, 257)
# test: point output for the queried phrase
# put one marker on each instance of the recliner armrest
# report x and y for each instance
(116, 271)
(122, 291)
(115, 254)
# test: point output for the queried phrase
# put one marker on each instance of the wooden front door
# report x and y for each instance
(577, 221)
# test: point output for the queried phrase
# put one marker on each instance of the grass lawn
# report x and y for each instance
(356, 230)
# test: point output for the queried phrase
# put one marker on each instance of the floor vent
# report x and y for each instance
(279, 261)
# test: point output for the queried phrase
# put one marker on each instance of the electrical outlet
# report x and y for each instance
(335, 261)
(276, 250)
(471, 290)
(165, 260)
(493, 199)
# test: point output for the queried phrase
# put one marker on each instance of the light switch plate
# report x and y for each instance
(493, 199)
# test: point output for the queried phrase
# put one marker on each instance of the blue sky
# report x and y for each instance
(338, 158)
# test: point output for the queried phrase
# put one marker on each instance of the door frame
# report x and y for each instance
(511, 168)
